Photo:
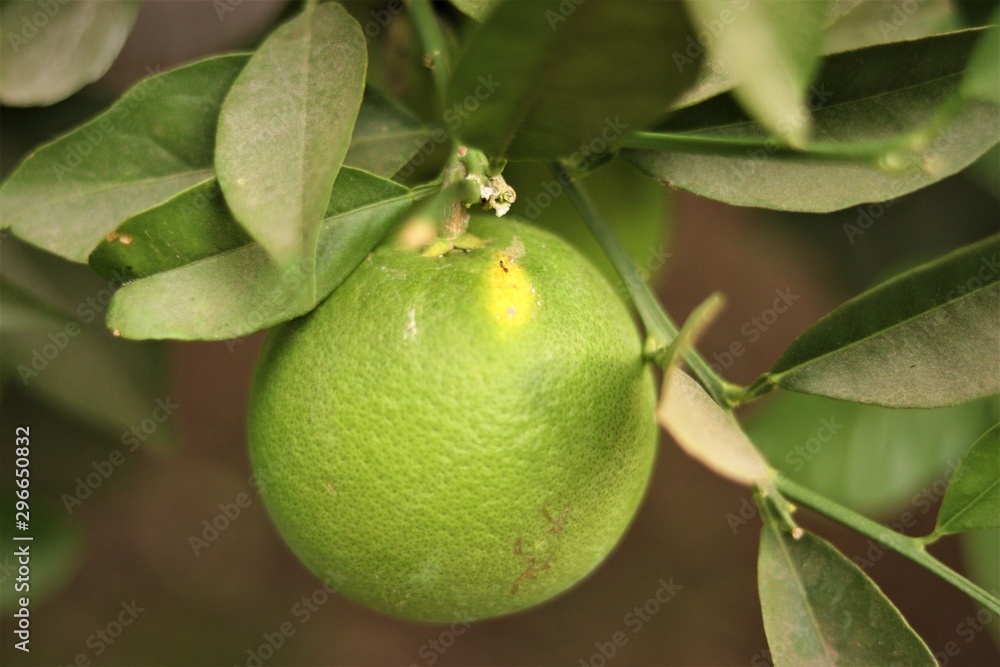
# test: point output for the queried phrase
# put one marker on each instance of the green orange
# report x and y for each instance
(460, 437)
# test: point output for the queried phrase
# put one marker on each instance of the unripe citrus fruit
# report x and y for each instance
(460, 437)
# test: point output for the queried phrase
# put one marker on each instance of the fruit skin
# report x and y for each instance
(456, 438)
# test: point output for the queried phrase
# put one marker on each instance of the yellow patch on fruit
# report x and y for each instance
(512, 299)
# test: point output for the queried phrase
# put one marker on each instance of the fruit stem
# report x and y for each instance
(737, 395)
(910, 547)
(436, 57)
(657, 321)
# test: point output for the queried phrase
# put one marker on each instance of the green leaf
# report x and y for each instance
(972, 501)
(875, 22)
(886, 123)
(707, 432)
(386, 136)
(849, 25)
(924, 339)
(771, 49)
(67, 358)
(820, 609)
(21, 313)
(154, 142)
(718, 73)
(52, 49)
(223, 287)
(286, 125)
(982, 80)
(572, 82)
(193, 226)
(981, 556)
(478, 10)
(877, 461)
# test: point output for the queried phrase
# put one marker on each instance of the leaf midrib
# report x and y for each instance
(387, 136)
(817, 112)
(802, 594)
(776, 377)
(954, 517)
(250, 242)
(119, 184)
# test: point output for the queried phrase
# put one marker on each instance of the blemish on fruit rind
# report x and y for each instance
(531, 571)
(410, 333)
(512, 299)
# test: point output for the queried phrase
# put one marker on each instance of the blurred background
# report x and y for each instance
(138, 450)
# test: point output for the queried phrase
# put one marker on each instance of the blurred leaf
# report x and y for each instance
(235, 290)
(887, 96)
(396, 58)
(981, 556)
(67, 358)
(285, 127)
(718, 73)
(21, 313)
(57, 548)
(476, 9)
(972, 501)
(985, 171)
(639, 210)
(820, 609)
(154, 142)
(771, 48)
(982, 80)
(924, 339)
(50, 282)
(707, 432)
(571, 80)
(53, 49)
(876, 22)
(874, 460)
(386, 136)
